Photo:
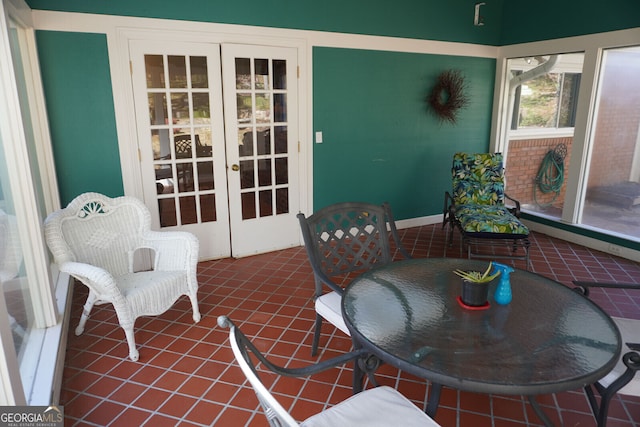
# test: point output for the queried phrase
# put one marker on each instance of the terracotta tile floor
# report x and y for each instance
(186, 376)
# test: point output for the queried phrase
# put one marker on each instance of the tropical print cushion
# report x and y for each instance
(489, 219)
(478, 178)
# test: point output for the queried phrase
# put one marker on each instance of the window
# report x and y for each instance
(27, 293)
(612, 194)
(574, 158)
(545, 91)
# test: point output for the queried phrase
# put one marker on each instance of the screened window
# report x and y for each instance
(547, 101)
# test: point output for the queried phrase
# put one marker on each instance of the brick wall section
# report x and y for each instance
(523, 163)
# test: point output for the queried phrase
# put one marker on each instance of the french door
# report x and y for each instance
(217, 137)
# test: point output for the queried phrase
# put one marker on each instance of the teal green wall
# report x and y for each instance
(450, 20)
(552, 19)
(77, 85)
(381, 142)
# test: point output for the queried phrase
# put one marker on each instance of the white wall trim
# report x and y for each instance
(91, 23)
(588, 242)
(418, 222)
(119, 30)
(47, 384)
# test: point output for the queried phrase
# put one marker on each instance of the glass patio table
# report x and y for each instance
(547, 340)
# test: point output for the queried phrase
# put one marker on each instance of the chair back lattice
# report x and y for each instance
(478, 179)
(347, 237)
(98, 230)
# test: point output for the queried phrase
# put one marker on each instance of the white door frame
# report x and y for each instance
(125, 110)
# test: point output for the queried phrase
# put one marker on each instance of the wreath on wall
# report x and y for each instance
(448, 96)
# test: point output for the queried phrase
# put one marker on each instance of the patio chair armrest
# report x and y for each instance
(321, 279)
(175, 250)
(95, 278)
(225, 322)
(448, 208)
(631, 360)
(516, 209)
(584, 286)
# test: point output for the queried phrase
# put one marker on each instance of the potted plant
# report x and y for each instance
(475, 286)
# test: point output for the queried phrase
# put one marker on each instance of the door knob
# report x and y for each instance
(235, 168)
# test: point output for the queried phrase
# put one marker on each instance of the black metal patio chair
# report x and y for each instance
(622, 379)
(341, 239)
(379, 406)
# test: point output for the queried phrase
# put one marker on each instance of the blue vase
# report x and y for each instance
(503, 294)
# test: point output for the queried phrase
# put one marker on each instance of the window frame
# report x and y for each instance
(31, 201)
(592, 46)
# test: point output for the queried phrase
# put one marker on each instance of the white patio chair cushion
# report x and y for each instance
(380, 406)
(329, 307)
(630, 331)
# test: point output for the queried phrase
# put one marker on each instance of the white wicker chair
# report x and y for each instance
(96, 240)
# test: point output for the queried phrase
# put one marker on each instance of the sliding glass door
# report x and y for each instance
(612, 196)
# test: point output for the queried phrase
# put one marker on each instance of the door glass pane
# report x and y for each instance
(243, 73)
(266, 206)
(208, 208)
(203, 142)
(155, 71)
(201, 112)
(264, 172)
(248, 201)
(280, 139)
(188, 210)
(199, 72)
(246, 174)
(543, 95)
(164, 179)
(262, 73)
(180, 108)
(263, 108)
(244, 107)
(613, 186)
(263, 140)
(282, 172)
(282, 200)
(160, 144)
(279, 107)
(183, 144)
(205, 176)
(181, 138)
(245, 138)
(167, 209)
(279, 74)
(185, 177)
(158, 113)
(177, 71)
